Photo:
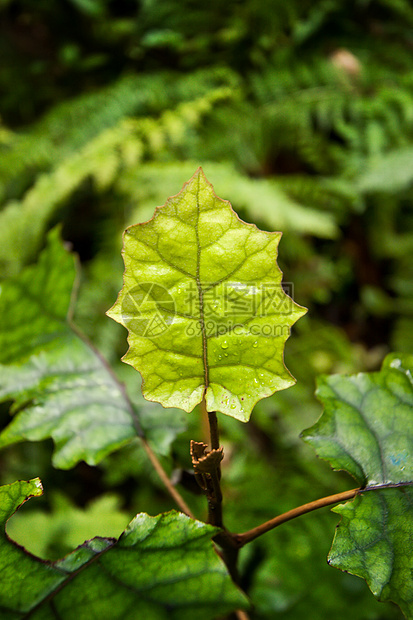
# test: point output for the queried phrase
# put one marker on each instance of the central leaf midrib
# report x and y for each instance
(201, 295)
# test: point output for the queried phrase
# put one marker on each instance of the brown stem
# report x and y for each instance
(213, 430)
(246, 537)
(213, 475)
(229, 548)
(206, 465)
(229, 551)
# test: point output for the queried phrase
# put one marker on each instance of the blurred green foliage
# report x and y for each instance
(301, 114)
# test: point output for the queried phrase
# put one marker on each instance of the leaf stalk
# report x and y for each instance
(246, 537)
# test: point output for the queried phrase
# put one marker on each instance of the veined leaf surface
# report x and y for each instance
(367, 430)
(161, 567)
(374, 540)
(367, 425)
(60, 386)
(24, 579)
(204, 306)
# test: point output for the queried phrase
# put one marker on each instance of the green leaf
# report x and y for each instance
(367, 425)
(25, 580)
(367, 430)
(263, 199)
(61, 387)
(374, 540)
(204, 306)
(53, 533)
(161, 567)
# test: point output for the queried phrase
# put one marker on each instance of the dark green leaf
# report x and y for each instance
(367, 430)
(25, 580)
(161, 567)
(375, 541)
(60, 386)
(367, 424)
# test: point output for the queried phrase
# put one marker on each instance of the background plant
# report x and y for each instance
(107, 117)
(201, 290)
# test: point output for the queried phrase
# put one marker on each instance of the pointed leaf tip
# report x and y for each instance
(204, 306)
(14, 495)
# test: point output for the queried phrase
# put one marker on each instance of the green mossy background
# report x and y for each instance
(301, 114)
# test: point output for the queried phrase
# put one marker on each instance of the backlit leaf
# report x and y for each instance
(204, 306)
(161, 567)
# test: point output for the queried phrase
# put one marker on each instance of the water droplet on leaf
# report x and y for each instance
(224, 344)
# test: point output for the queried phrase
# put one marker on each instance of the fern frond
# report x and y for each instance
(72, 124)
(390, 173)
(260, 200)
(122, 146)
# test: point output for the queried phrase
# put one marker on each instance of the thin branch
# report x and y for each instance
(242, 539)
(246, 537)
(111, 372)
(176, 496)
